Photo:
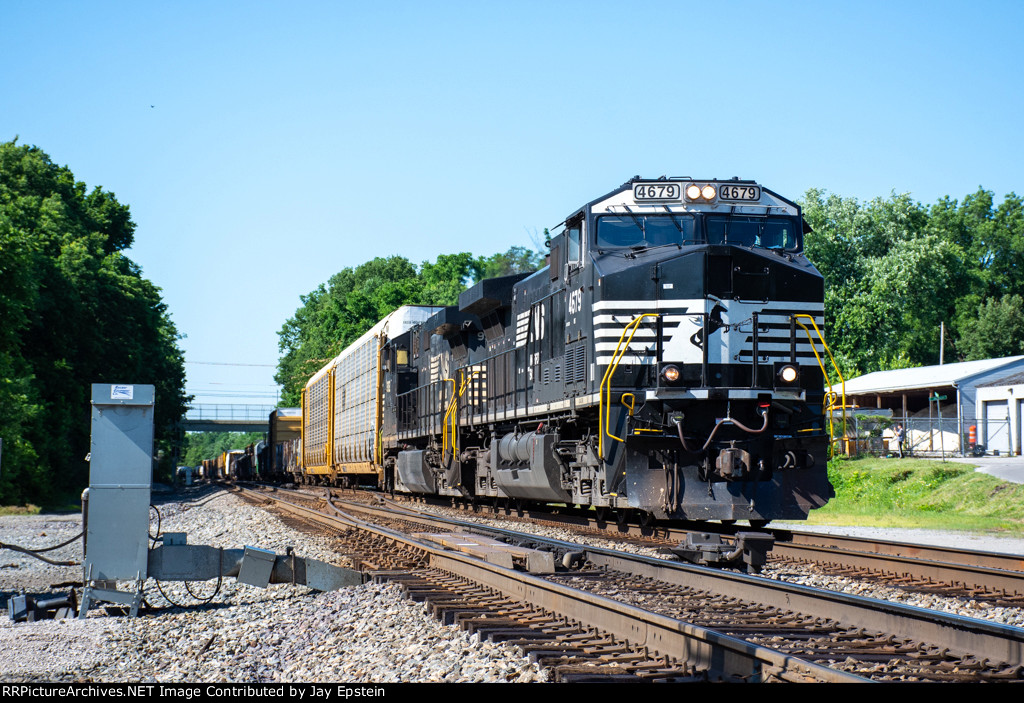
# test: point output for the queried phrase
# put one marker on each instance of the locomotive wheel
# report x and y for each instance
(601, 513)
(759, 524)
(646, 518)
(622, 516)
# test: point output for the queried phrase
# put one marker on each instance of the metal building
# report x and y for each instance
(966, 397)
(1001, 404)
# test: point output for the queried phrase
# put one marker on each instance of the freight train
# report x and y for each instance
(271, 459)
(664, 363)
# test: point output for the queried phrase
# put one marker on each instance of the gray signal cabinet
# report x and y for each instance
(120, 483)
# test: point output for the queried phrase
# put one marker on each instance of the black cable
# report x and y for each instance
(159, 520)
(58, 546)
(36, 552)
(207, 599)
(166, 597)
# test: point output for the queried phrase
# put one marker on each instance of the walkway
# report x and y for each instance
(1008, 468)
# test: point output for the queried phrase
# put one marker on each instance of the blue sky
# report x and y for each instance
(264, 146)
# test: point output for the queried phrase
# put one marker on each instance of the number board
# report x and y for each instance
(657, 191)
(739, 193)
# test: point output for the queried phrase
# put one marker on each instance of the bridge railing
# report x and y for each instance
(229, 412)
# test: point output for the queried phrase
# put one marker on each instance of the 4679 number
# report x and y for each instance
(575, 303)
(657, 191)
(727, 192)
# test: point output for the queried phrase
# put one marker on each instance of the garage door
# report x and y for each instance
(1019, 441)
(997, 426)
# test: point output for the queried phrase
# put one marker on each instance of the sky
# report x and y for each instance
(264, 146)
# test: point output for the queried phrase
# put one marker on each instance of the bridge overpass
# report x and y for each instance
(205, 417)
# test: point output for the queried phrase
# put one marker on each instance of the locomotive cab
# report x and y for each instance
(704, 377)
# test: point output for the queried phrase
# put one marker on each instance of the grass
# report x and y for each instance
(19, 509)
(921, 493)
(30, 509)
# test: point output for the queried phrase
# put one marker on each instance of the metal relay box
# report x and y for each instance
(120, 482)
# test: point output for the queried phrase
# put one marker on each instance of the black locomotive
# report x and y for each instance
(663, 362)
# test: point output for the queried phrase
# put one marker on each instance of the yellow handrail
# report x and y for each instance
(452, 411)
(603, 415)
(830, 398)
(631, 406)
(444, 424)
(632, 402)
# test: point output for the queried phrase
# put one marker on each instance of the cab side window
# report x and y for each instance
(574, 244)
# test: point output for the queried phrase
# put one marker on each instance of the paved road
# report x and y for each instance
(1008, 468)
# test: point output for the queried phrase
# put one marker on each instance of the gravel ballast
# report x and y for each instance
(810, 576)
(283, 633)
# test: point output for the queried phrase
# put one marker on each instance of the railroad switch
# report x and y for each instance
(749, 550)
(495, 552)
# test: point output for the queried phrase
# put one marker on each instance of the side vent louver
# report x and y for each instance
(576, 362)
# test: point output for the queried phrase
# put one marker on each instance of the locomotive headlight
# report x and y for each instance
(708, 192)
(693, 191)
(670, 373)
(787, 375)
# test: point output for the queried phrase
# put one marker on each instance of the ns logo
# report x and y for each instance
(537, 322)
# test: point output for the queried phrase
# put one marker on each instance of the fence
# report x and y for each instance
(872, 434)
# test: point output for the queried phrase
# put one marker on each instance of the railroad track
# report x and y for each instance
(985, 577)
(991, 578)
(579, 636)
(618, 615)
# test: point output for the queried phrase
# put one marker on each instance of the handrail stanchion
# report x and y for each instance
(829, 407)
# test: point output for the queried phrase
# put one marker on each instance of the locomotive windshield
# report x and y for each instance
(763, 232)
(642, 231)
(636, 231)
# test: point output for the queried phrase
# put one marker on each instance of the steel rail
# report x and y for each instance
(698, 646)
(965, 636)
(948, 555)
(981, 577)
(987, 571)
(724, 656)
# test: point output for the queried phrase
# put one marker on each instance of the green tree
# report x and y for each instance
(515, 260)
(76, 311)
(353, 300)
(442, 281)
(336, 314)
(992, 239)
(890, 280)
(996, 330)
(209, 445)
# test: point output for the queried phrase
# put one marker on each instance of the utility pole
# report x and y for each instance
(942, 342)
